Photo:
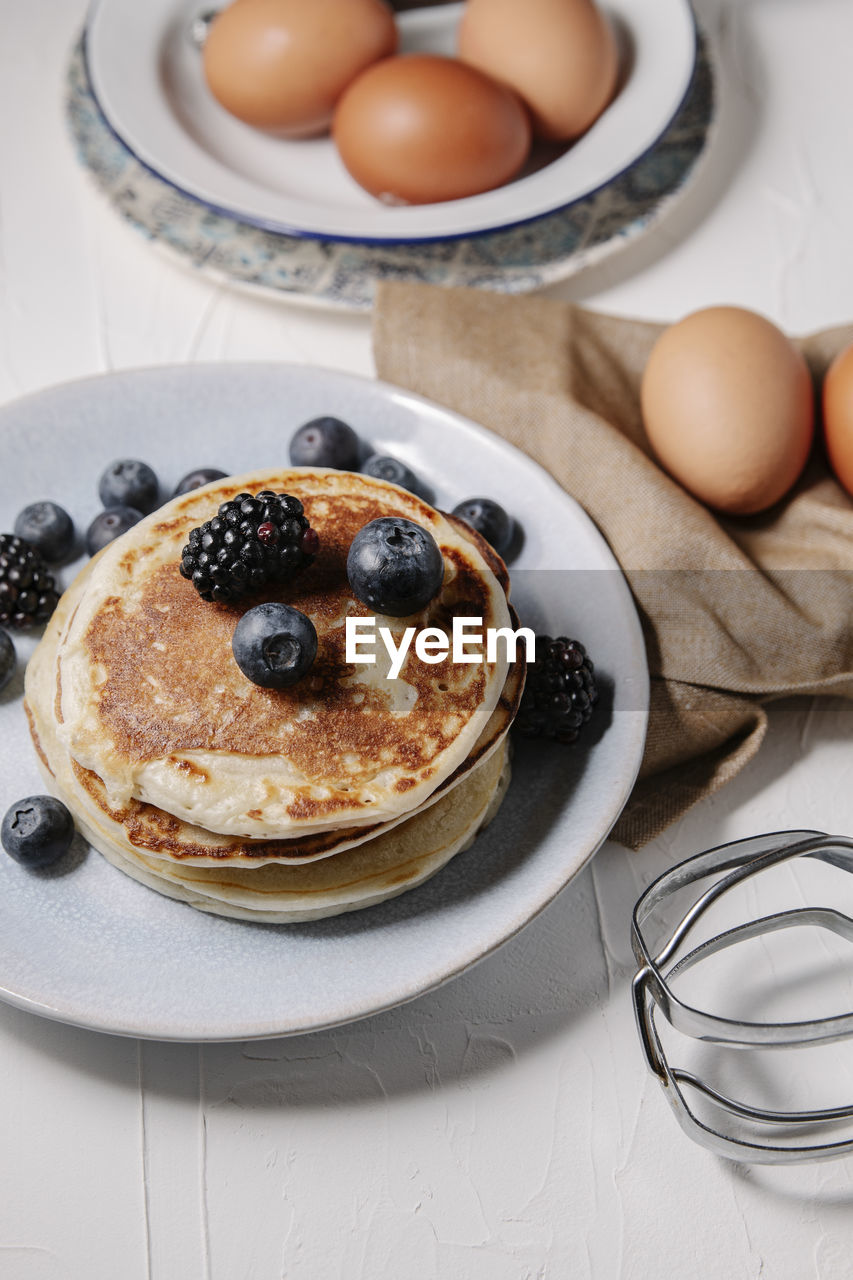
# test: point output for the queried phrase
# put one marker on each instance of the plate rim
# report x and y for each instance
(432, 980)
(279, 227)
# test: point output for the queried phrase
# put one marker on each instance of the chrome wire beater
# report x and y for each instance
(733, 864)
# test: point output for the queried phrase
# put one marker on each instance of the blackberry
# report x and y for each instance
(7, 658)
(250, 542)
(560, 692)
(27, 591)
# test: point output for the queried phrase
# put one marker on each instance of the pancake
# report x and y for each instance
(376, 870)
(152, 702)
(374, 873)
(156, 834)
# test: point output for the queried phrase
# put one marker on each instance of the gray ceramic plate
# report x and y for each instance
(86, 945)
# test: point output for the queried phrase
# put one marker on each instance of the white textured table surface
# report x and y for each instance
(504, 1128)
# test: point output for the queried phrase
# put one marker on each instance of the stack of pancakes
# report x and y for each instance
(272, 805)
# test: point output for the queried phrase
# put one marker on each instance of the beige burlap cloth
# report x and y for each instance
(735, 611)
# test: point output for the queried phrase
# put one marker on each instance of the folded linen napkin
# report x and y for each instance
(735, 610)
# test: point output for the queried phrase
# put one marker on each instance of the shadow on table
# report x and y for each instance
(549, 976)
(551, 979)
(775, 1079)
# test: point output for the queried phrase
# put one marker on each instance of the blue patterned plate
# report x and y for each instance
(343, 275)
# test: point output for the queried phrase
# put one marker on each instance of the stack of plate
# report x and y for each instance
(289, 805)
(285, 217)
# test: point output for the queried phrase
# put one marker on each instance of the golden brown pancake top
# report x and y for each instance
(171, 685)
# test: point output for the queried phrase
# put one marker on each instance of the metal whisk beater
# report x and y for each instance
(652, 991)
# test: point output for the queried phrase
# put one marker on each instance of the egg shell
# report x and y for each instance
(560, 57)
(421, 128)
(282, 65)
(728, 406)
(838, 416)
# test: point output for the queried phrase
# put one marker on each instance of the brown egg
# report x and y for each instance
(559, 56)
(838, 416)
(420, 128)
(728, 406)
(282, 64)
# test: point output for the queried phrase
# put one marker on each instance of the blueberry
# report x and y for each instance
(48, 528)
(274, 645)
(37, 831)
(489, 519)
(195, 480)
(381, 467)
(7, 658)
(109, 525)
(325, 442)
(394, 566)
(129, 483)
